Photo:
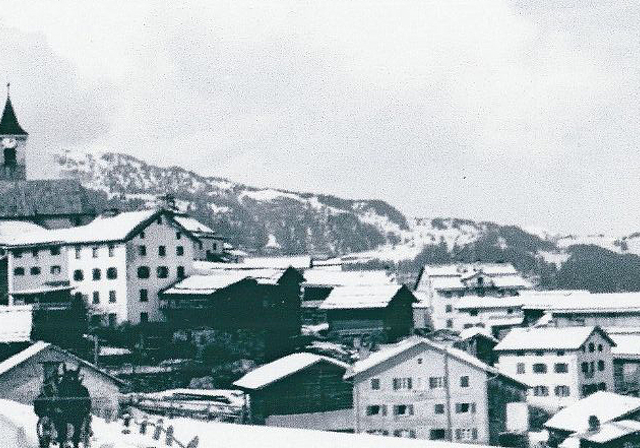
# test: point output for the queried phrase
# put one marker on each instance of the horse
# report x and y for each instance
(71, 407)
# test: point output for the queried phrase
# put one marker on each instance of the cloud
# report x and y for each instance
(489, 109)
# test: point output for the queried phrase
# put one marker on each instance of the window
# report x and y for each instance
(144, 272)
(78, 275)
(214, 246)
(112, 273)
(78, 250)
(448, 309)
(436, 382)
(561, 367)
(375, 383)
(464, 381)
(539, 353)
(144, 317)
(97, 274)
(601, 365)
(163, 272)
(541, 391)
(560, 353)
(142, 250)
(520, 367)
(144, 295)
(403, 409)
(178, 235)
(592, 347)
(162, 251)
(437, 434)
(509, 310)
(112, 296)
(180, 272)
(402, 383)
(449, 323)
(55, 270)
(376, 409)
(419, 360)
(473, 312)
(179, 251)
(96, 297)
(141, 235)
(463, 408)
(562, 391)
(602, 386)
(112, 250)
(466, 433)
(539, 368)
(406, 433)
(378, 432)
(18, 271)
(599, 347)
(55, 250)
(520, 353)
(17, 253)
(113, 319)
(438, 408)
(94, 252)
(35, 253)
(585, 367)
(96, 320)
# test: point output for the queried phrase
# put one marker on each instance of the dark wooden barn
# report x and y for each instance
(361, 310)
(301, 383)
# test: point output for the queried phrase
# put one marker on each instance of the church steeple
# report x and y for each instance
(9, 123)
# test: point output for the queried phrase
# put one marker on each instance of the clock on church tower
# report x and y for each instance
(13, 143)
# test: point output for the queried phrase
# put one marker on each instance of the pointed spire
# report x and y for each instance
(9, 123)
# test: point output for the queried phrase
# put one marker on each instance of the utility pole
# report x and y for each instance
(447, 394)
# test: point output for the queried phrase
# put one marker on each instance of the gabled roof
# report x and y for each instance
(607, 406)
(328, 278)
(37, 347)
(371, 296)
(469, 333)
(611, 431)
(548, 338)
(120, 227)
(453, 276)
(9, 122)
(387, 354)
(627, 346)
(207, 283)
(193, 225)
(282, 368)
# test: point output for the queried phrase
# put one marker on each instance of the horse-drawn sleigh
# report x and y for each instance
(64, 410)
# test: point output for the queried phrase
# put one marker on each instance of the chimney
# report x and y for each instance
(594, 423)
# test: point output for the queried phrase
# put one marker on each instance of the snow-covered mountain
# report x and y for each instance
(276, 221)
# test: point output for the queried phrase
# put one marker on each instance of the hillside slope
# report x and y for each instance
(370, 232)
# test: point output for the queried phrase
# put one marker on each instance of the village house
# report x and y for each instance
(562, 365)
(441, 287)
(604, 310)
(496, 314)
(22, 375)
(319, 282)
(117, 263)
(588, 418)
(479, 343)
(419, 389)
(302, 390)
(626, 359)
(354, 311)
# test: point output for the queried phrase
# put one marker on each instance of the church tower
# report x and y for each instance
(13, 144)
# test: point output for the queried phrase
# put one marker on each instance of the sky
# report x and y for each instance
(496, 110)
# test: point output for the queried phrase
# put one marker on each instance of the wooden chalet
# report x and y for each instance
(362, 310)
(300, 383)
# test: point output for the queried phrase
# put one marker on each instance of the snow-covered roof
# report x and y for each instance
(627, 345)
(193, 225)
(488, 302)
(114, 351)
(103, 228)
(15, 323)
(611, 431)
(297, 261)
(607, 406)
(41, 290)
(324, 277)
(451, 277)
(465, 269)
(11, 228)
(547, 338)
(390, 352)
(371, 296)
(469, 333)
(206, 283)
(282, 368)
(589, 303)
(37, 347)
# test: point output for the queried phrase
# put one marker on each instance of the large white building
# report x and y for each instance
(440, 287)
(562, 365)
(419, 389)
(118, 263)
